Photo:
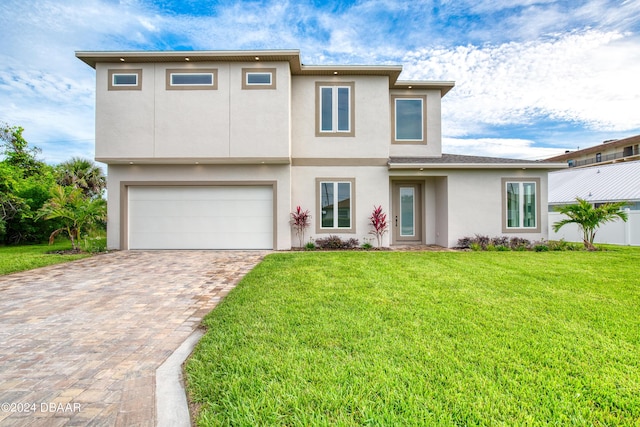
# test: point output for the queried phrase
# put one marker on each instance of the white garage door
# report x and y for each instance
(201, 217)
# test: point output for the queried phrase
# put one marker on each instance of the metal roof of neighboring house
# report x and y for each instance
(606, 183)
(457, 161)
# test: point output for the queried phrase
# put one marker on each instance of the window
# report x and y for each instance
(409, 114)
(335, 205)
(334, 109)
(191, 79)
(125, 79)
(258, 78)
(521, 205)
(598, 157)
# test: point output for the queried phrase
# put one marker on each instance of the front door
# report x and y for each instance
(407, 213)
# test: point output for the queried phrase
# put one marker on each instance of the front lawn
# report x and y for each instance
(434, 338)
(26, 257)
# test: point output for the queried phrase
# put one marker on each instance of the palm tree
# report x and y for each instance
(83, 174)
(589, 218)
(75, 212)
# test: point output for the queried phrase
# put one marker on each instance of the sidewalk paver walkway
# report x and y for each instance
(80, 342)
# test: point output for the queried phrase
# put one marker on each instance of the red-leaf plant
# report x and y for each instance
(300, 220)
(378, 221)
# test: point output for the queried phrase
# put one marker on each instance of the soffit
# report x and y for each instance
(290, 56)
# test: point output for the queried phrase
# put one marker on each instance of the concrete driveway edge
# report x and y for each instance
(172, 408)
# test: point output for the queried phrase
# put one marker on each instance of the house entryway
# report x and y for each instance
(406, 220)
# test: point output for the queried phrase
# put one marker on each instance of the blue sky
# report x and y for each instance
(533, 77)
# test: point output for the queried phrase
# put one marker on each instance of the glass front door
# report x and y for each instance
(407, 216)
(407, 212)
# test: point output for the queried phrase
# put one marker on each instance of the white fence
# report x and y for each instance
(617, 233)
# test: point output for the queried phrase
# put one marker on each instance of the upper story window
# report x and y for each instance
(521, 205)
(335, 109)
(409, 119)
(598, 157)
(192, 79)
(258, 78)
(125, 79)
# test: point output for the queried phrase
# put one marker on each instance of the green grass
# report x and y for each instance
(27, 257)
(419, 339)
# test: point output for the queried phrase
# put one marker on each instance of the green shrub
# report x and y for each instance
(475, 246)
(93, 244)
(335, 242)
(503, 244)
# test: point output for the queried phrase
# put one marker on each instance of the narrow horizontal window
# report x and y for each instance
(258, 78)
(180, 79)
(125, 79)
(191, 79)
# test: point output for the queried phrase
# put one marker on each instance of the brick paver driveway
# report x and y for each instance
(80, 342)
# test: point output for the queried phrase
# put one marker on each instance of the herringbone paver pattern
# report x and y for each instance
(80, 342)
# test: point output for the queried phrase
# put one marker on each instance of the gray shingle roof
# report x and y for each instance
(457, 159)
(611, 182)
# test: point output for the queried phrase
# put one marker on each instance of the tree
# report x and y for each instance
(10, 204)
(74, 210)
(24, 187)
(589, 218)
(83, 174)
(16, 151)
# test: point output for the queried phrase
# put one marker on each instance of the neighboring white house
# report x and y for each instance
(214, 149)
(613, 182)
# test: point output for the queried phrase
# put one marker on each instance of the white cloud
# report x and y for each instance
(587, 77)
(498, 147)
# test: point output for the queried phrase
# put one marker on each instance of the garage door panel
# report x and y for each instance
(203, 217)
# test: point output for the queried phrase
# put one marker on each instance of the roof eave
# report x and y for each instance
(422, 166)
(443, 86)
(91, 58)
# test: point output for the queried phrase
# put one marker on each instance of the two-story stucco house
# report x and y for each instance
(214, 149)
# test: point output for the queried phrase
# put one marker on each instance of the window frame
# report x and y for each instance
(505, 205)
(394, 120)
(170, 71)
(335, 85)
(258, 86)
(352, 208)
(112, 72)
